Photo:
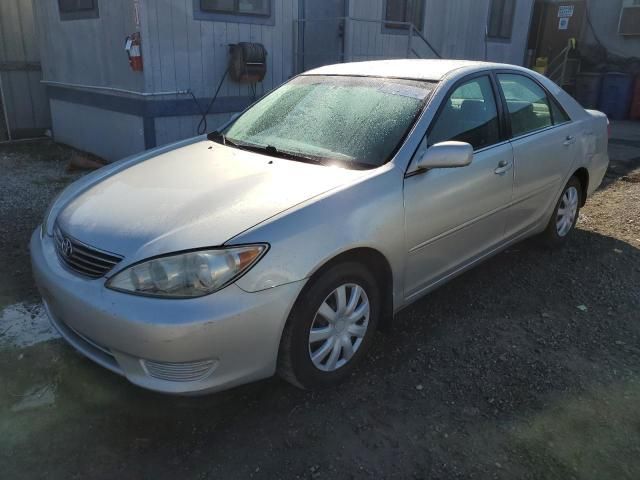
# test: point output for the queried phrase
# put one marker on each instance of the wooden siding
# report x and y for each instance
(190, 54)
(455, 28)
(372, 41)
(88, 51)
(26, 102)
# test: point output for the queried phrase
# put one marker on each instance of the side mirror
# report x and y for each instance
(446, 155)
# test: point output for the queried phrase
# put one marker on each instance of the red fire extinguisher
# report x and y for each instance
(134, 51)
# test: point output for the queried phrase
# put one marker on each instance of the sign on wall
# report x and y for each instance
(563, 24)
(565, 11)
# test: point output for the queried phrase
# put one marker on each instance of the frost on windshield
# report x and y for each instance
(339, 118)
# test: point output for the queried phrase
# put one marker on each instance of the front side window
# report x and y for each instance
(527, 103)
(237, 7)
(77, 9)
(351, 121)
(409, 11)
(469, 115)
(501, 19)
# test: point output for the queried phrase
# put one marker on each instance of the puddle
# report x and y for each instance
(23, 325)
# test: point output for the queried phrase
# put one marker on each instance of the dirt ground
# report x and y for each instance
(525, 367)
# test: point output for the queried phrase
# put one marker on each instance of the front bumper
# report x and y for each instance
(201, 345)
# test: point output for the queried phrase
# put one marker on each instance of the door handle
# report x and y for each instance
(570, 140)
(503, 167)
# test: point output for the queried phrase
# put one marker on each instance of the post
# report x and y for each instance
(4, 110)
(297, 52)
(347, 54)
(410, 40)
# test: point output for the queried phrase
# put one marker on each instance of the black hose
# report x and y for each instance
(202, 125)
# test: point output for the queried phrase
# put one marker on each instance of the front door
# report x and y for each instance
(322, 31)
(455, 216)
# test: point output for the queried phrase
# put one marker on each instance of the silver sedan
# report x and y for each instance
(282, 241)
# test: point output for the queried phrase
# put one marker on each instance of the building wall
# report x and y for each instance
(605, 15)
(26, 103)
(110, 135)
(514, 52)
(455, 28)
(372, 41)
(185, 53)
(87, 51)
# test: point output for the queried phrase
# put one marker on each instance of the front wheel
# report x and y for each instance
(330, 327)
(565, 215)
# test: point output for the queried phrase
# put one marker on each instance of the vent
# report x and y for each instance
(179, 372)
(82, 258)
(630, 18)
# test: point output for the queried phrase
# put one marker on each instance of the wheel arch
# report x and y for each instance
(582, 174)
(377, 264)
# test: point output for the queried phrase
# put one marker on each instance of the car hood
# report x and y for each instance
(196, 196)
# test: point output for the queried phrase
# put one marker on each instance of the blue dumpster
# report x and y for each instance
(615, 96)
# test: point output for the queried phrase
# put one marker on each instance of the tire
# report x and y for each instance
(295, 363)
(557, 233)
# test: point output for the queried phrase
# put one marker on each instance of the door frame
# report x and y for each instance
(503, 120)
(300, 33)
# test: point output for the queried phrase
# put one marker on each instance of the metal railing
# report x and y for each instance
(557, 68)
(359, 39)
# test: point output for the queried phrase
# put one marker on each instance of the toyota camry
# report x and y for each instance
(283, 240)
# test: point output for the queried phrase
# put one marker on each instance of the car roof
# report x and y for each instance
(417, 69)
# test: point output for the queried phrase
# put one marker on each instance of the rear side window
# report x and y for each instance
(558, 113)
(469, 115)
(528, 104)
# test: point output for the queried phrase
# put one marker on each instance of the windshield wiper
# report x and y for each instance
(221, 138)
(272, 151)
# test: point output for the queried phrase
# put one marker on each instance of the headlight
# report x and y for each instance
(185, 275)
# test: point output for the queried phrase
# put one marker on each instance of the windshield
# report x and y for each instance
(355, 121)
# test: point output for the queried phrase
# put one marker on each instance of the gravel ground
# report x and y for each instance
(533, 374)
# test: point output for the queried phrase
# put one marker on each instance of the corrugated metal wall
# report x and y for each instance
(368, 41)
(456, 28)
(27, 106)
(189, 54)
(87, 51)
(183, 51)
(186, 53)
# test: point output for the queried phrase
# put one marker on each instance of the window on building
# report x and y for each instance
(501, 19)
(409, 11)
(237, 7)
(77, 9)
(469, 115)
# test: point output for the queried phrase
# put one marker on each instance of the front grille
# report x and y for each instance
(82, 258)
(180, 372)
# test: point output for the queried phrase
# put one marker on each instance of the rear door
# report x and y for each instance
(544, 149)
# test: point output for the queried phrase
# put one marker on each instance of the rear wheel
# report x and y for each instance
(330, 327)
(565, 215)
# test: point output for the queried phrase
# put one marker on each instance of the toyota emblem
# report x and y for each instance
(66, 247)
